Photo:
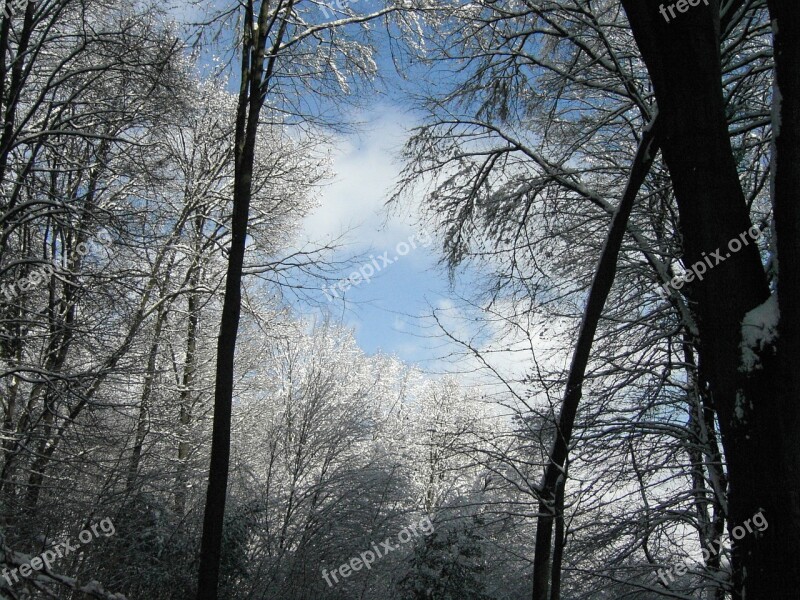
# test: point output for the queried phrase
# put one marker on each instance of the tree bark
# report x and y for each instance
(683, 59)
(785, 186)
(560, 537)
(144, 404)
(189, 371)
(252, 93)
(211, 545)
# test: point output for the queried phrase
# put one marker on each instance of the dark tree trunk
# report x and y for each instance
(211, 546)
(190, 367)
(786, 185)
(683, 58)
(707, 464)
(252, 94)
(555, 471)
(559, 539)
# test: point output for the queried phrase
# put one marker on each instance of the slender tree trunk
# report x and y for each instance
(144, 404)
(256, 74)
(7, 491)
(249, 108)
(706, 460)
(559, 537)
(598, 294)
(61, 317)
(211, 547)
(189, 370)
(13, 94)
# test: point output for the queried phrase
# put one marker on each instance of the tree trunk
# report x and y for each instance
(559, 537)
(601, 286)
(683, 59)
(144, 405)
(223, 390)
(61, 317)
(251, 99)
(189, 369)
(785, 186)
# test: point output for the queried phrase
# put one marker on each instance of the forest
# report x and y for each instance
(400, 299)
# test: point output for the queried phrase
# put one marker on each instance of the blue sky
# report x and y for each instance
(390, 312)
(384, 312)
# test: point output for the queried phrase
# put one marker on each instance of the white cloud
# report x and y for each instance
(366, 169)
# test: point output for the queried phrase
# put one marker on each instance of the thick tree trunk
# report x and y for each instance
(785, 187)
(683, 58)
